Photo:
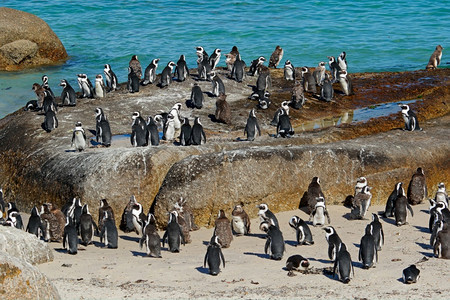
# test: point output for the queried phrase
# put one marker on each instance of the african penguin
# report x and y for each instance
(265, 214)
(54, 222)
(87, 89)
(400, 206)
(252, 126)
(49, 103)
(367, 249)
(100, 90)
(334, 69)
(410, 274)
(46, 86)
(217, 84)
(103, 210)
(309, 83)
(169, 128)
(150, 238)
(139, 134)
(417, 188)
(276, 117)
(342, 61)
(441, 247)
(126, 222)
(150, 72)
(231, 57)
(197, 134)
(361, 203)
(215, 58)
(303, 233)
(240, 220)
(254, 67)
(343, 265)
(223, 229)
(152, 131)
(435, 58)
(319, 213)
(50, 121)
(174, 234)
(296, 263)
(185, 134)
(346, 83)
(111, 78)
(289, 70)
(79, 137)
(70, 238)
(214, 256)
(276, 57)
(181, 69)
(223, 111)
(175, 112)
(275, 241)
(166, 75)
(133, 81)
(319, 73)
(196, 97)
(35, 224)
(68, 95)
(139, 218)
(87, 226)
(298, 96)
(284, 127)
(314, 191)
(410, 118)
(376, 229)
(238, 70)
(441, 194)
(334, 242)
(108, 233)
(326, 91)
(361, 182)
(135, 66)
(102, 130)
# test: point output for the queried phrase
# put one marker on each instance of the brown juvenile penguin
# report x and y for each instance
(54, 223)
(276, 57)
(314, 192)
(135, 65)
(40, 93)
(240, 220)
(104, 206)
(231, 57)
(435, 58)
(223, 112)
(223, 230)
(417, 188)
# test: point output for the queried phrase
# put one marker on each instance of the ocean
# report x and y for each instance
(376, 35)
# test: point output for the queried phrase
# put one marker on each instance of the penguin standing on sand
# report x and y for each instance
(79, 137)
(343, 265)
(166, 75)
(102, 210)
(319, 213)
(376, 230)
(86, 226)
(222, 229)
(390, 203)
(150, 72)
(174, 235)
(410, 274)
(441, 194)
(275, 240)
(313, 193)
(151, 238)
(367, 249)
(111, 78)
(265, 214)
(276, 57)
(361, 203)
(410, 118)
(334, 242)
(417, 188)
(435, 59)
(441, 247)
(196, 97)
(214, 256)
(197, 134)
(400, 212)
(240, 220)
(303, 233)
(109, 233)
(252, 126)
(70, 238)
(68, 95)
(135, 66)
(102, 130)
(126, 222)
(139, 218)
(34, 223)
(139, 133)
(100, 90)
(152, 131)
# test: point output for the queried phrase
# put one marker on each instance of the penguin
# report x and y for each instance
(203, 66)
(314, 191)
(68, 95)
(126, 222)
(400, 206)
(298, 96)
(40, 93)
(361, 182)
(49, 103)
(54, 222)
(75, 211)
(185, 135)
(334, 69)
(214, 256)
(169, 133)
(2, 204)
(201, 52)
(303, 233)
(111, 78)
(139, 133)
(276, 117)
(166, 75)
(175, 112)
(326, 91)
(342, 61)
(15, 220)
(108, 233)
(34, 223)
(361, 203)
(264, 80)
(284, 127)
(264, 100)
(296, 263)
(196, 97)
(410, 118)
(46, 86)
(231, 57)
(223, 111)
(215, 58)
(334, 242)
(135, 66)
(102, 130)
(217, 84)
(238, 70)
(150, 238)
(441, 247)
(410, 274)
(197, 133)
(181, 70)
(223, 229)
(133, 81)
(87, 226)
(443, 211)
(417, 188)
(319, 213)
(50, 121)
(87, 89)
(289, 70)
(185, 212)
(343, 265)
(102, 210)
(174, 234)
(12, 208)
(256, 63)
(275, 241)
(367, 249)
(240, 220)
(441, 194)
(276, 57)
(252, 126)
(346, 83)
(152, 131)
(435, 59)
(437, 226)
(265, 214)
(309, 83)
(435, 216)
(139, 218)
(100, 90)
(376, 230)
(70, 239)
(79, 137)
(150, 72)
(319, 73)
(31, 105)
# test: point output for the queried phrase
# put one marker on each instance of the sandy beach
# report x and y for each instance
(99, 273)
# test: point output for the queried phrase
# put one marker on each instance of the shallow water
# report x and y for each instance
(378, 36)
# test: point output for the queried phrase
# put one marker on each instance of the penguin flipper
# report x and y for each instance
(266, 247)
(222, 257)
(164, 237)
(410, 209)
(206, 257)
(299, 234)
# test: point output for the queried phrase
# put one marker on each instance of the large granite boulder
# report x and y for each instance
(27, 41)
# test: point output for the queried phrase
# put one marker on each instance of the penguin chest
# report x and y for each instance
(238, 225)
(319, 217)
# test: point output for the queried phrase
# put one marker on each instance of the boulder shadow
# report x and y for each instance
(260, 255)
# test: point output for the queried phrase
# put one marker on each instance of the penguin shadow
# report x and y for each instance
(291, 243)
(389, 221)
(93, 132)
(73, 150)
(205, 243)
(210, 95)
(427, 254)
(60, 250)
(357, 245)
(98, 244)
(424, 246)
(358, 265)
(350, 217)
(137, 253)
(130, 238)
(260, 255)
(202, 270)
(324, 261)
(422, 229)
(213, 118)
(189, 103)
(425, 211)
(258, 235)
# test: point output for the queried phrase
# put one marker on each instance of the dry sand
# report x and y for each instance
(100, 273)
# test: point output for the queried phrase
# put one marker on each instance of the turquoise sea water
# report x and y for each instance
(377, 35)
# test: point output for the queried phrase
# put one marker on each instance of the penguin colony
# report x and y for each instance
(73, 224)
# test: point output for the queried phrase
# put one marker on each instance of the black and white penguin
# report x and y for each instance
(15, 220)
(256, 63)
(153, 131)
(102, 129)
(139, 134)
(334, 69)
(217, 84)
(87, 226)
(111, 78)
(264, 80)
(34, 223)
(441, 247)
(169, 128)
(215, 58)
(302, 232)
(313, 193)
(139, 218)
(102, 210)
(296, 263)
(49, 103)
(238, 70)
(197, 134)
(100, 89)
(309, 83)
(361, 182)
(367, 249)
(346, 83)
(50, 121)
(334, 242)
(150, 238)
(126, 221)
(417, 188)
(441, 194)
(68, 95)
(265, 214)
(410, 274)
(361, 203)
(70, 238)
(175, 113)
(201, 52)
(376, 229)
(276, 57)
(133, 81)
(185, 134)
(87, 89)
(298, 96)
(252, 126)
(109, 234)
(276, 117)
(46, 86)
(284, 127)
(343, 266)
(400, 206)
(196, 96)
(75, 211)
(326, 91)
(319, 73)
(443, 211)
(174, 235)
(435, 59)
(150, 72)
(231, 57)
(275, 240)
(181, 70)
(214, 256)
(31, 105)
(203, 65)
(264, 100)
(289, 70)
(410, 118)
(135, 65)
(437, 226)
(79, 137)
(319, 213)
(166, 75)
(390, 203)
(240, 220)
(342, 61)
(222, 229)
